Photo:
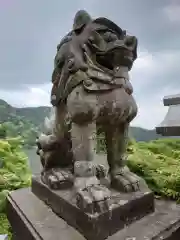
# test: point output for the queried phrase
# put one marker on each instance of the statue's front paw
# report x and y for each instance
(126, 181)
(93, 198)
(101, 171)
(57, 178)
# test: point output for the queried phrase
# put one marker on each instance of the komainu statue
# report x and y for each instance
(91, 87)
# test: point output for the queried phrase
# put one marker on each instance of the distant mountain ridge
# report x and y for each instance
(36, 116)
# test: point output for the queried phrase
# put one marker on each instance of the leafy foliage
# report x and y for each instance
(19, 127)
(14, 174)
(4, 225)
(158, 162)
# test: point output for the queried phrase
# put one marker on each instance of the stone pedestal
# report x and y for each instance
(32, 219)
(126, 208)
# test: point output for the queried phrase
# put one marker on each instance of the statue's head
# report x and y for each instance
(81, 19)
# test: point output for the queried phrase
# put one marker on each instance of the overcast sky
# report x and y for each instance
(31, 30)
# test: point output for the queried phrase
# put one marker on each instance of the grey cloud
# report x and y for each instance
(30, 31)
(146, 19)
(163, 73)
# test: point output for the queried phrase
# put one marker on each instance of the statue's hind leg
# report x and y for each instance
(121, 177)
(123, 111)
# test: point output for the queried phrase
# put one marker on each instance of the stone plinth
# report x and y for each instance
(127, 208)
(31, 219)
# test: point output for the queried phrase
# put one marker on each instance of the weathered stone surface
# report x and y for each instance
(31, 219)
(164, 224)
(126, 209)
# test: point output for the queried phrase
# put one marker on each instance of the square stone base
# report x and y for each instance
(127, 208)
(31, 219)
